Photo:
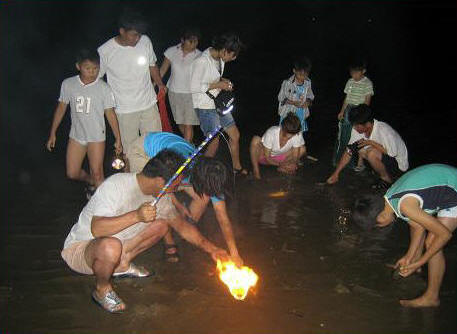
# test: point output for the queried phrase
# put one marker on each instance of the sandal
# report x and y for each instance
(133, 272)
(111, 302)
(171, 257)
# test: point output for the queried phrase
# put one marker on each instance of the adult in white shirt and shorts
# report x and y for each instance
(129, 62)
(180, 58)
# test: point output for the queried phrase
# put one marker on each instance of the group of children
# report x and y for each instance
(417, 196)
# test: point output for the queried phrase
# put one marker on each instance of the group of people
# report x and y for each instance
(119, 222)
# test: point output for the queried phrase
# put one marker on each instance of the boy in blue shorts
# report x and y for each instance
(209, 180)
(90, 99)
(425, 197)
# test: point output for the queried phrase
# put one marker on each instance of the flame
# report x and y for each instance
(238, 280)
(278, 194)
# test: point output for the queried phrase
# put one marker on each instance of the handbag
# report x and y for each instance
(224, 101)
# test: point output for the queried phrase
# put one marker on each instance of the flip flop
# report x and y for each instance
(134, 272)
(111, 302)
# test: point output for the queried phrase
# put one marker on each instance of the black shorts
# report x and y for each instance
(391, 165)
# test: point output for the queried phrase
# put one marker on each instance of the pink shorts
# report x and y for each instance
(278, 158)
(74, 256)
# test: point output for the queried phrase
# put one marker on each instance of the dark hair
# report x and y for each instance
(229, 42)
(291, 124)
(86, 54)
(190, 32)
(211, 177)
(361, 114)
(302, 64)
(163, 165)
(133, 20)
(358, 65)
(366, 208)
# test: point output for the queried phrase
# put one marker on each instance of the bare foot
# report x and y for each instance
(422, 301)
(332, 179)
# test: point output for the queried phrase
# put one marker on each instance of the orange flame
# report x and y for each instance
(238, 280)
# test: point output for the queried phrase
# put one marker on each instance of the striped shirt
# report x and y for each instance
(356, 91)
(434, 185)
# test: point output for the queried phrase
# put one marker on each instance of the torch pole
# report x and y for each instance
(184, 165)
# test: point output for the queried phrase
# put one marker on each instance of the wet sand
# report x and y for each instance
(317, 274)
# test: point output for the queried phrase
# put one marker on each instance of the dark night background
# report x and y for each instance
(409, 47)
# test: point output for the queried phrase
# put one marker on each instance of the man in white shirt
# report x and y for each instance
(118, 223)
(376, 142)
(280, 146)
(129, 62)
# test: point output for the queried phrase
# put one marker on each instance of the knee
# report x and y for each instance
(162, 228)
(109, 249)
(73, 174)
(373, 154)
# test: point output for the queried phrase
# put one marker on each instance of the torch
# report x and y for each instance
(185, 164)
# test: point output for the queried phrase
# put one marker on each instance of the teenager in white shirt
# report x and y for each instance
(180, 58)
(129, 62)
(280, 146)
(206, 75)
(377, 143)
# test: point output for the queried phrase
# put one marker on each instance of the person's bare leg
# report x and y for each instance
(234, 142)
(141, 242)
(95, 154)
(374, 158)
(103, 256)
(256, 152)
(436, 269)
(170, 247)
(212, 147)
(188, 132)
(75, 157)
(181, 129)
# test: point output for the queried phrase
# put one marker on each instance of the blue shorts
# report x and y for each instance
(210, 119)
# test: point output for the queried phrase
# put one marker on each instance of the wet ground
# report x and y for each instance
(317, 274)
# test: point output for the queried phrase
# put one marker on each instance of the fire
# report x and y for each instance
(238, 280)
(278, 194)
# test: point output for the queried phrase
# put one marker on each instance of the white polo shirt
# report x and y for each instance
(386, 136)
(127, 71)
(271, 141)
(179, 81)
(203, 73)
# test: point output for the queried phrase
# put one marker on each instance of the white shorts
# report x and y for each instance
(448, 213)
(182, 108)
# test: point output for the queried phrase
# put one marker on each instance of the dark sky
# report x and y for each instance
(409, 47)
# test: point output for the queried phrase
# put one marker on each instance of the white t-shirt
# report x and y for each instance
(117, 195)
(203, 73)
(87, 104)
(386, 136)
(127, 71)
(179, 81)
(271, 141)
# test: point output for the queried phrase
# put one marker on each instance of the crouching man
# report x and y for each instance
(425, 197)
(118, 223)
(377, 143)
